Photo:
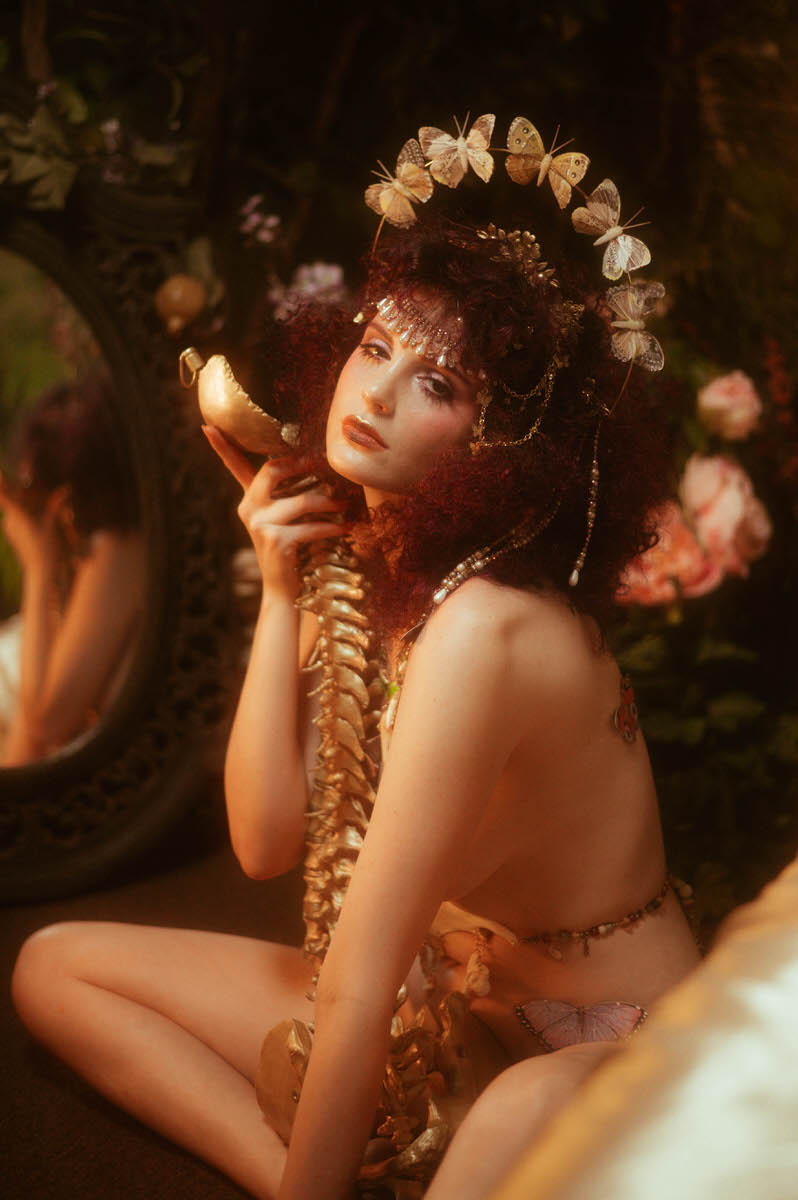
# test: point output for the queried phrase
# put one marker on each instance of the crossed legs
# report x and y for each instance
(167, 1023)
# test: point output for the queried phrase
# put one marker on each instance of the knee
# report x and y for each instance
(538, 1087)
(43, 965)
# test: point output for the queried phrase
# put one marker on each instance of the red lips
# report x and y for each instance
(362, 434)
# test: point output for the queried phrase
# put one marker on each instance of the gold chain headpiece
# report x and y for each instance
(438, 157)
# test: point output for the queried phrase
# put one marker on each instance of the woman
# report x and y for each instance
(70, 515)
(466, 421)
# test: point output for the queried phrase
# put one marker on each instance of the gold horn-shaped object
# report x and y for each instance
(225, 405)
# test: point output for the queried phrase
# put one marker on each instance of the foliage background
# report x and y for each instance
(690, 105)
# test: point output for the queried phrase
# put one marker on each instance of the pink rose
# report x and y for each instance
(754, 531)
(676, 566)
(730, 522)
(730, 406)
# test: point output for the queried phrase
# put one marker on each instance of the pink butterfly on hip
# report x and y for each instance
(558, 1024)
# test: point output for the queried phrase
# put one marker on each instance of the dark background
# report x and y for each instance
(691, 107)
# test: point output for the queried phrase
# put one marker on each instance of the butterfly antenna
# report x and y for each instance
(386, 174)
(377, 234)
(610, 411)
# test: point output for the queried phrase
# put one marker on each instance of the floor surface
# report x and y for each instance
(58, 1139)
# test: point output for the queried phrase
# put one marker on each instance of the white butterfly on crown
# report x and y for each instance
(602, 216)
(449, 158)
(632, 342)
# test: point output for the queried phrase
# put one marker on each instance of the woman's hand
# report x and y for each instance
(32, 537)
(277, 526)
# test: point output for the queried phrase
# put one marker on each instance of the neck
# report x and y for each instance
(374, 497)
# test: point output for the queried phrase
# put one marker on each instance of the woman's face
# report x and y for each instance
(394, 413)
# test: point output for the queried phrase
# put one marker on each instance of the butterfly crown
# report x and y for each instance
(440, 157)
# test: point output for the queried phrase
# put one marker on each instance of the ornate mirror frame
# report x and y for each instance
(68, 821)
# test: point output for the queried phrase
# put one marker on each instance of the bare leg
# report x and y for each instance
(507, 1117)
(167, 1023)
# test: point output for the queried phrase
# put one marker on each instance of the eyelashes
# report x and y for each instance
(436, 387)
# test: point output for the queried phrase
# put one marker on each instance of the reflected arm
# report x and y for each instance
(66, 667)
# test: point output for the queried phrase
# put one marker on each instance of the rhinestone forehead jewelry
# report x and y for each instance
(414, 329)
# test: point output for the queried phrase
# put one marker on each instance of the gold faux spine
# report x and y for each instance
(350, 700)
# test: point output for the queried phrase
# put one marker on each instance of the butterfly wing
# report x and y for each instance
(558, 1024)
(393, 197)
(610, 1021)
(526, 151)
(554, 1022)
(602, 211)
(564, 171)
(640, 346)
(443, 154)
(477, 144)
(649, 352)
(623, 254)
(411, 172)
(385, 199)
(632, 301)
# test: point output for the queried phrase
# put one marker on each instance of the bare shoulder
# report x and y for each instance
(528, 636)
(502, 616)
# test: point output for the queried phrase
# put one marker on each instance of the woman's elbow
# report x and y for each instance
(266, 860)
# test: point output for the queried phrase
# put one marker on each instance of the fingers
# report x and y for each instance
(288, 510)
(239, 465)
(235, 460)
(282, 538)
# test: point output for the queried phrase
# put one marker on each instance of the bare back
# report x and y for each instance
(570, 835)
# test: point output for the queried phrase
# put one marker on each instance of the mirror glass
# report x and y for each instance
(72, 555)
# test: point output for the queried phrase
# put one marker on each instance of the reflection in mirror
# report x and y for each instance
(72, 556)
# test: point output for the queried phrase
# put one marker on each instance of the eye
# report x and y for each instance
(373, 349)
(437, 387)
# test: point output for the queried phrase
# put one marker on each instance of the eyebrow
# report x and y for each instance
(377, 324)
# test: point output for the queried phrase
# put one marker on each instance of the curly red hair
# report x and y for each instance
(513, 328)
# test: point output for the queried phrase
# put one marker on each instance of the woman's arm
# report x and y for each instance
(265, 775)
(65, 676)
(457, 725)
(66, 663)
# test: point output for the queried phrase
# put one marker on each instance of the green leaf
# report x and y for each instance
(647, 654)
(25, 167)
(46, 133)
(667, 727)
(70, 103)
(783, 744)
(728, 712)
(715, 650)
(52, 189)
(152, 154)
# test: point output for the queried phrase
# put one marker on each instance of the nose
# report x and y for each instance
(378, 398)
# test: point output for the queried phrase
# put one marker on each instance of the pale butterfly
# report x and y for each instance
(394, 196)
(528, 157)
(449, 158)
(602, 216)
(559, 1024)
(629, 304)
